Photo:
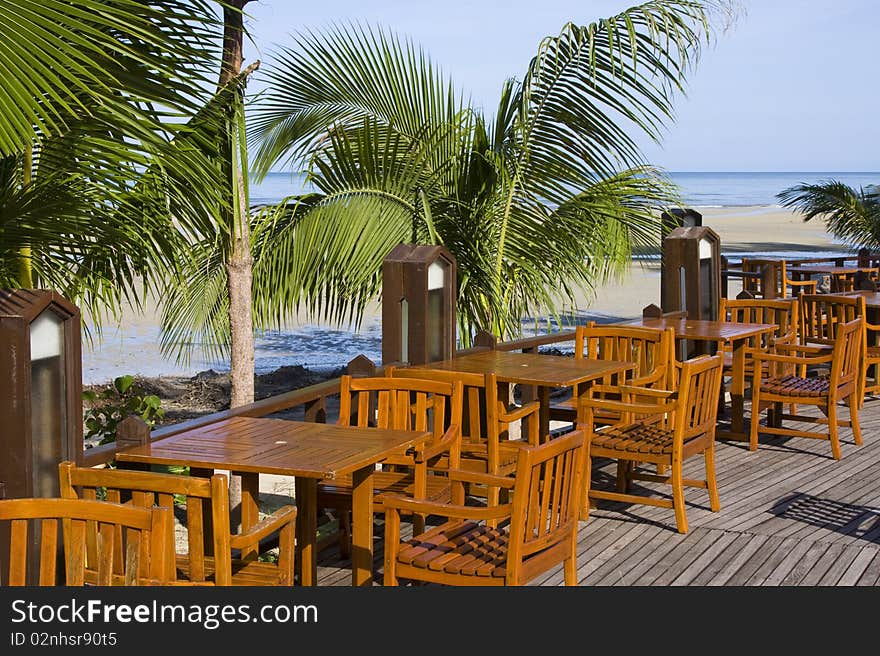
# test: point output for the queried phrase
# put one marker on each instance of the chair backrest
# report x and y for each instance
(129, 543)
(545, 504)
(482, 407)
(651, 349)
(822, 314)
(699, 384)
(782, 312)
(148, 489)
(847, 357)
(400, 403)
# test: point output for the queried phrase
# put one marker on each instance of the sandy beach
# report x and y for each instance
(131, 347)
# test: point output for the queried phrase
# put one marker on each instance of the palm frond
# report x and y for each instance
(851, 215)
(60, 60)
(338, 79)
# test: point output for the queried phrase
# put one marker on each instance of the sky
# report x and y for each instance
(791, 86)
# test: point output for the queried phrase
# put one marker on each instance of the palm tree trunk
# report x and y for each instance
(239, 266)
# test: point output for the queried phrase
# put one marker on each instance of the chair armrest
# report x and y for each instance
(481, 477)
(426, 451)
(792, 359)
(397, 503)
(653, 377)
(630, 408)
(264, 528)
(815, 349)
(519, 413)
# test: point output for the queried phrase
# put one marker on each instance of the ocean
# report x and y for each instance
(131, 347)
(698, 188)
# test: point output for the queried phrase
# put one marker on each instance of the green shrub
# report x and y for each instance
(106, 408)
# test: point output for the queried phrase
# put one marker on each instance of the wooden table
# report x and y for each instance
(546, 372)
(836, 274)
(731, 333)
(309, 452)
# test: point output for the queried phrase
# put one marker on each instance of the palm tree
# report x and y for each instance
(548, 196)
(95, 95)
(851, 215)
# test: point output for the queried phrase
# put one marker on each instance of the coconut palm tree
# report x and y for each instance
(94, 97)
(547, 197)
(851, 215)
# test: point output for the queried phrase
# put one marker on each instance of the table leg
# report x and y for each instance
(737, 385)
(737, 393)
(362, 527)
(250, 508)
(306, 491)
(544, 413)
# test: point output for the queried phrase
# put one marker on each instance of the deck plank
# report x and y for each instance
(790, 515)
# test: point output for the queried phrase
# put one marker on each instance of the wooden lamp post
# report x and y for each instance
(418, 304)
(40, 396)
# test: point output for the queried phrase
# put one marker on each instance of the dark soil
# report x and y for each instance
(208, 391)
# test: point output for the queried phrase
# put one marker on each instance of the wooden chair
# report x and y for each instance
(871, 359)
(486, 445)
(822, 314)
(403, 404)
(651, 349)
(122, 545)
(782, 312)
(787, 383)
(661, 427)
(209, 558)
(508, 544)
(784, 286)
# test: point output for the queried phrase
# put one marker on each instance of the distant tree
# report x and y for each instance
(547, 197)
(851, 215)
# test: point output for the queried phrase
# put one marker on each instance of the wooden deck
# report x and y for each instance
(790, 516)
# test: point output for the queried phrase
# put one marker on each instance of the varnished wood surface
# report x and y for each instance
(307, 451)
(276, 446)
(872, 299)
(532, 368)
(790, 515)
(830, 270)
(698, 329)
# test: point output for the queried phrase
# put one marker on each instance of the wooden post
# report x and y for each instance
(724, 277)
(769, 276)
(485, 338)
(652, 312)
(361, 366)
(316, 410)
(132, 431)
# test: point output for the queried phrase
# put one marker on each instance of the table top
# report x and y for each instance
(702, 329)
(276, 446)
(532, 368)
(872, 299)
(834, 270)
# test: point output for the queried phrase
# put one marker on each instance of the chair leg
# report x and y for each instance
(570, 564)
(854, 404)
(832, 430)
(756, 420)
(392, 538)
(678, 496)
(711, 481)
(585, 497)
(622, 478)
